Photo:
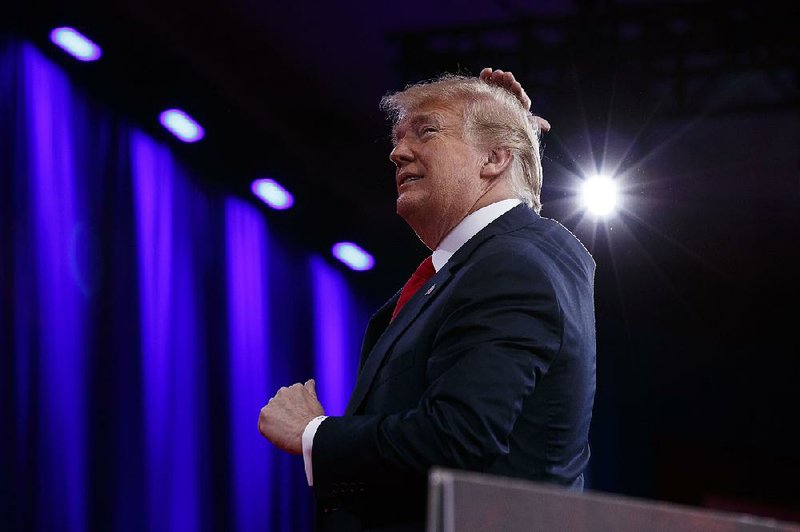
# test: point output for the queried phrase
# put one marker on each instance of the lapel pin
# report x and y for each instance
(430, 290)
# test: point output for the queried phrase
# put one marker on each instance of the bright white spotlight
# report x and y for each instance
(74, 43)
(600, 195)
(353, 256)
(272, 193)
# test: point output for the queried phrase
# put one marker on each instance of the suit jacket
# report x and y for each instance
(490, 367)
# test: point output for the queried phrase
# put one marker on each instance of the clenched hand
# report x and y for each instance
(285, 416)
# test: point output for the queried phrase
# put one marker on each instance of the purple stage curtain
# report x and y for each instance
(144, 321)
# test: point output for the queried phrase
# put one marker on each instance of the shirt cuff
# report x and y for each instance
(308, 443)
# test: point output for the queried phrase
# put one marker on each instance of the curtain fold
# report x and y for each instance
(144, 321)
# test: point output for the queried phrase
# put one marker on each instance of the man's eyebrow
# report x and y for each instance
(415, 121)
(426, 117)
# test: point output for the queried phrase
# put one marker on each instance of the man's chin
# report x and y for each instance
(412, 213)
(408, 209)
(410, 206)
(406, 206)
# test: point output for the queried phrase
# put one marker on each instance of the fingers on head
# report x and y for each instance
(542, 124)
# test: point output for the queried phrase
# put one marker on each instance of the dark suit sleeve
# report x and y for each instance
(496, 335)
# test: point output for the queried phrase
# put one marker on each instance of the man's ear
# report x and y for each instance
(496, 163)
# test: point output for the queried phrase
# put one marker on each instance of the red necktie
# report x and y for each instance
(424, 272)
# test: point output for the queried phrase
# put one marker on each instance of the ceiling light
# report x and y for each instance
(272, 193)
(74, 43)
(353, 256)
(181, 125)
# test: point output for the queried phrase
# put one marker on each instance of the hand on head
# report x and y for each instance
(507, 81)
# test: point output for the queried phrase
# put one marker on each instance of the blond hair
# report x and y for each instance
(493, 117)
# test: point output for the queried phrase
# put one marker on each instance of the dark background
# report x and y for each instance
(693, 106)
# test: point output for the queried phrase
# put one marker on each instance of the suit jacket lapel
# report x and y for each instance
(373, 350)
(377, 324)
(372, 356)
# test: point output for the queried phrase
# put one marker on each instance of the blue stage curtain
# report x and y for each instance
(144, 321)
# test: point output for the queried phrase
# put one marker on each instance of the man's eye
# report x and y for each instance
(427, 129)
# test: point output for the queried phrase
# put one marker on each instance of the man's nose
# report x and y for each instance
(401, 154)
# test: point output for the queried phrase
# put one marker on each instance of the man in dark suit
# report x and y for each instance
(490, 365)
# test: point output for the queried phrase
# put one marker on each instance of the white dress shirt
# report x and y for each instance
(461, 233)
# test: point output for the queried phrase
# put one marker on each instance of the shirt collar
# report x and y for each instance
(469, 227)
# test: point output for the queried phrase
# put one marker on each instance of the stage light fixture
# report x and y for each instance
(75, 44)
(182, 125)
(353, 256)
(600, 195)
(272, 193)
